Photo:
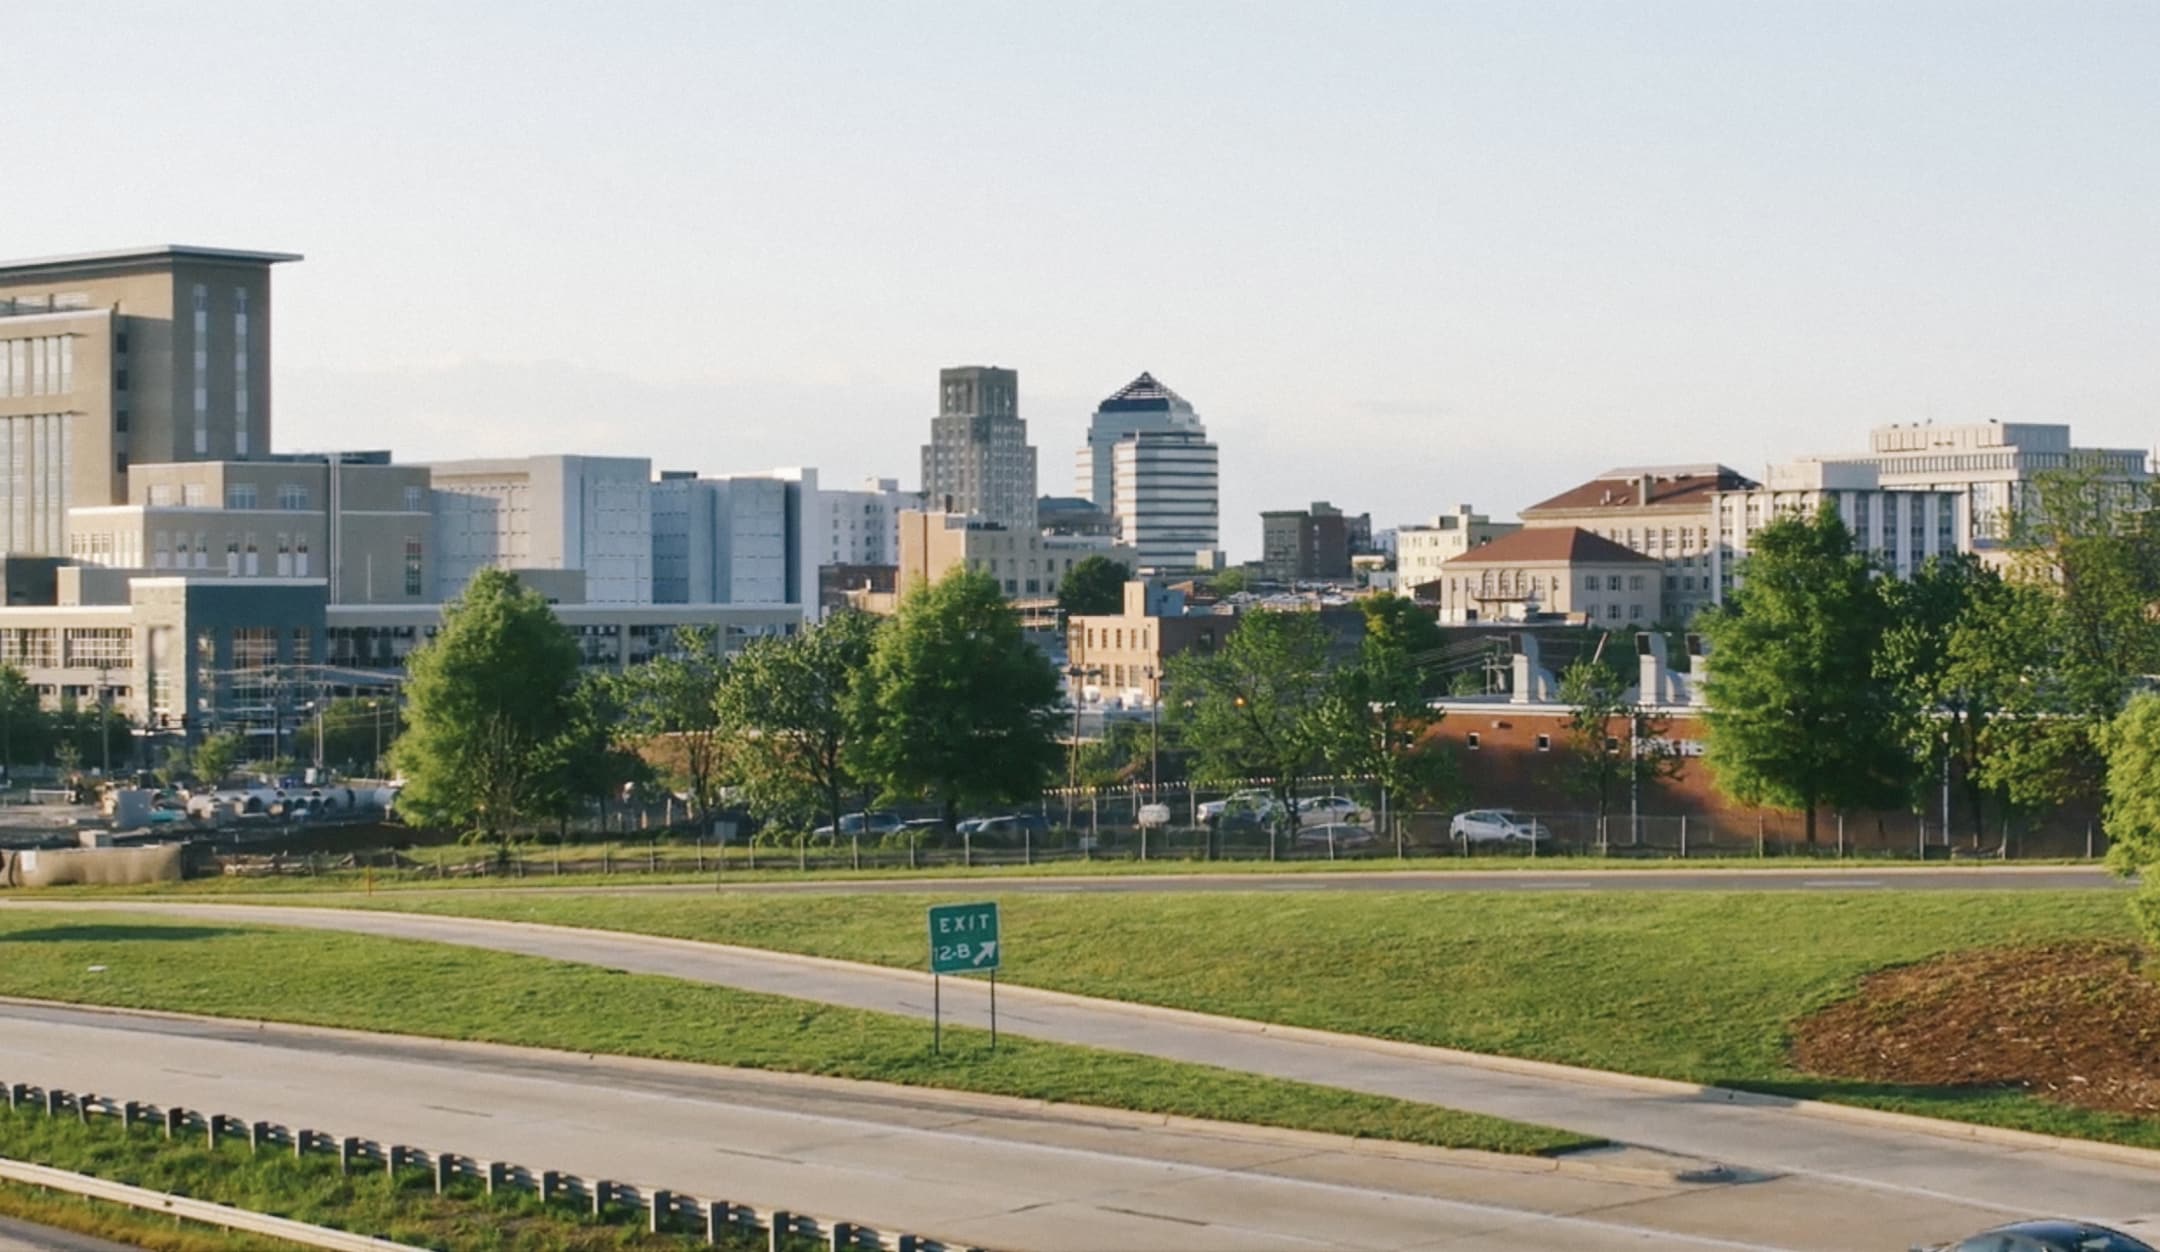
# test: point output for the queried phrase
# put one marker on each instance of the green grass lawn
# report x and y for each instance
(1700, 986)
(450, 992)
(404, 1210)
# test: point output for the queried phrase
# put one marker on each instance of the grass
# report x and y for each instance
(311, 1189)
(439, 990)
(677, 865)
(1701, 986)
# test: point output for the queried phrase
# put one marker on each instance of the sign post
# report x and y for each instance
(963, 940)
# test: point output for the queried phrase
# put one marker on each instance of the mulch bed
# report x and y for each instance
(2077, 1023)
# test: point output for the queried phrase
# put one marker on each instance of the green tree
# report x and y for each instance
(959, 706)
(1411, 633)
(1228, 582)
(23, 730)
(1467, 682)
(792, 702)
(1377, 723)
(585, 756)
(1258, 706)
(2132, 816)
(215, 758)
(356, 730)
(487, 700)
(1796, 718)
(674, 699)
(1600, 763)
(1094, 585)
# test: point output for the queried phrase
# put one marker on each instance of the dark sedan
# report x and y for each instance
(2049, 1235)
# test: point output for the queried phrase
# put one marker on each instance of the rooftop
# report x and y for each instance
(138, 258)
(1668, 487)
(1142, 393)
(1551, 543)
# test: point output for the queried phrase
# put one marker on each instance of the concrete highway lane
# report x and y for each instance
(1757, 1133)
(18, 1236)
(1002, 1173)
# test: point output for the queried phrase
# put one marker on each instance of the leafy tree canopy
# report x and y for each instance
(1094, 586)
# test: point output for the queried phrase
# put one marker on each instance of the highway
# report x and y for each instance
(16, 1236)
(1761, 1134)
(1001, 1173)
(1829, 876)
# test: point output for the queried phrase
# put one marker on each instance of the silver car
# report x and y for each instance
(1498, 826)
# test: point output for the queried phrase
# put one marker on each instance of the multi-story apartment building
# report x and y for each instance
(1423, 550)
(1991, 465)
(1305, 545)
(1550, 571)
(1166, 496)
(1664, 512)
(978, 461)
(587, 513)
(137, 356)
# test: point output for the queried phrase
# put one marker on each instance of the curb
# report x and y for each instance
(1971, 1132)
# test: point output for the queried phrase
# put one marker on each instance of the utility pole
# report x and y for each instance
(104, 689)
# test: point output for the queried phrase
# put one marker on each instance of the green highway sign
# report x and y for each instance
(964, 938)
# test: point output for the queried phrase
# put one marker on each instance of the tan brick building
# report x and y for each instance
(1548, 572)
(1664, 512)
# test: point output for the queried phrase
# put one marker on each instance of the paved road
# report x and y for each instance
(18, 1236)
(1814, 878)
(1008, 1174)
(1757, 1133)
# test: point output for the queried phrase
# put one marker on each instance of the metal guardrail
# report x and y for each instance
(662, 1211)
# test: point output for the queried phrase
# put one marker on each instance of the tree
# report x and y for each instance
(2133, 804)
(1132, 750)
(487, 699)
(585, 756)
(1796, 718)
(1410, 632)
(355, 731)
(1228, 582)
(1258, 707)
(1093, 586)
(1377, 723)
(792, 702)
(1467, 682)
(1600, 762)
(675, 698)
(22, 723)
(216, 756)
(959, 706)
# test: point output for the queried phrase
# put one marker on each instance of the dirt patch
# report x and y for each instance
(2078, 1023)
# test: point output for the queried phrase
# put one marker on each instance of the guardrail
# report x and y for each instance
(660, 1210)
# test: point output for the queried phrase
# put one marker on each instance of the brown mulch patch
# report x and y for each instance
(2077, 1023)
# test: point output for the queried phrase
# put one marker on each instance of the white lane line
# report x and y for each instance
(1842, 882)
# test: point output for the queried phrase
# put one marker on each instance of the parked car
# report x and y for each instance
(1212, 811)
(876, 823)
(1497, 826)
(1336, 835)
(1332, 811)
(2055, 1235)
(1005, 826)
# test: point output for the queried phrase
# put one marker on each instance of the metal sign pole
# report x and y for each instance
(993, 1010)
(937, 1016)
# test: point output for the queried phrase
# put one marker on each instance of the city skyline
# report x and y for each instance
(1515, 242)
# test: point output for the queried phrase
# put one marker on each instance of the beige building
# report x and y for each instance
(1026, 565)
(110, 359)
(1664, 512)
(1549, 571)
(1423, 550)
(353, 519)
(1120, 657)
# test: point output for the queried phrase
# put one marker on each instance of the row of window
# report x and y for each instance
(39, 366)
(87, 647)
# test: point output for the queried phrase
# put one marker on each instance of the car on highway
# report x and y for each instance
(1332, 811)
(1503, 826)
(2056, 1234)
(1005, 826)
(876, 823)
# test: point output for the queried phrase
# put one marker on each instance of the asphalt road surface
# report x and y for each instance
(1760, 1134)
(18, 1236)
(1008, 1174)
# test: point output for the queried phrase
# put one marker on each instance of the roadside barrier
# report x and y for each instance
(659, 1210)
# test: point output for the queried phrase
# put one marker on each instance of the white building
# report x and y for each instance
(741, 539)
(1422, 550)
(1142, 406)
(1166, 496)
(1901, 529)
(592, 514)
(862, 524)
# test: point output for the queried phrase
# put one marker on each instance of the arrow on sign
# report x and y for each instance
(985, 952)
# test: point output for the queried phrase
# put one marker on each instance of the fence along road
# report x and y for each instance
(1760, 1134)
(1008, 1174)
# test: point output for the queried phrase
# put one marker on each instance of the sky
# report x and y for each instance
(1398, 256)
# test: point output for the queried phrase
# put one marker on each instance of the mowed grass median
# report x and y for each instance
(1702, 986)
(439, 990)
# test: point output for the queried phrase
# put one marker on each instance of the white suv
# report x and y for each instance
(1498, 826)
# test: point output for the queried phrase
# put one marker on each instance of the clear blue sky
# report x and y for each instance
(1398, 256)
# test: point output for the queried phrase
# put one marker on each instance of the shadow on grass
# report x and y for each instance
(113, 934)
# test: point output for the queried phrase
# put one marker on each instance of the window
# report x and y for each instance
(240, 496)
(232, 558)
(1634, 612)
(1472, 741)
(413, 503)
(1612, 611)
(195, 496)
(1612, 582)
(201, 327)
(412, 567)
(1634, 582)
(300, 556)
(1589, 582)
(292, 497)
(1544, 743)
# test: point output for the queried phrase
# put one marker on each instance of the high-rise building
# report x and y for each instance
(1305, 545)
(591, 514)
(978, 462)
(141, 355)
(1142, 406)
(1166, 496)
(740, 539)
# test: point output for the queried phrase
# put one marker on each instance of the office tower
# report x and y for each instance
(1140, 406)
(978, 462)
(1165, 491)
(142, 355)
